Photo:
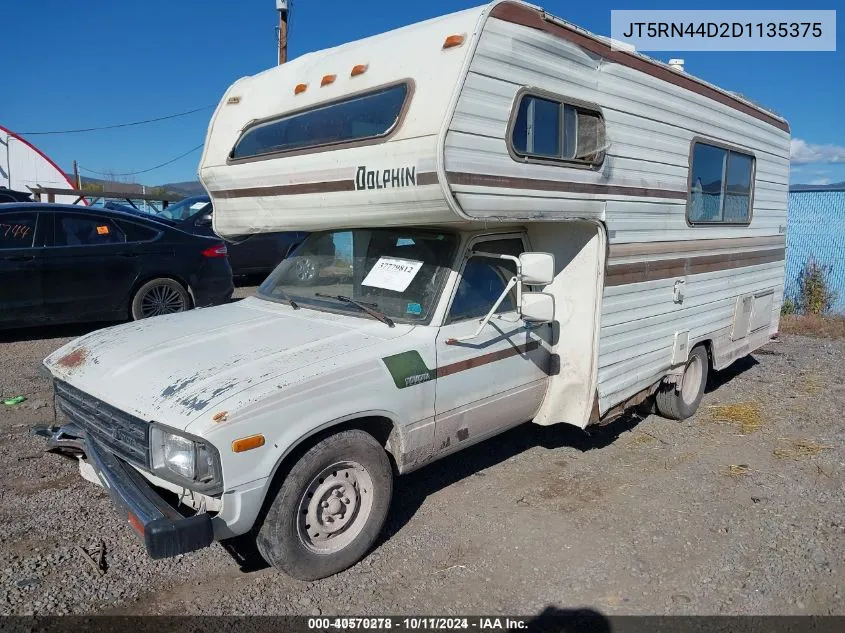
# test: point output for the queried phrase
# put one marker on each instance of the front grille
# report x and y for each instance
(124, 435)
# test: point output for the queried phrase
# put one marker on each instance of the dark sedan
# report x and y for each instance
(62, 263)
(250, 255)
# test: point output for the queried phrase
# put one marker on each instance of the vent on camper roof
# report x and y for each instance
(677, 64)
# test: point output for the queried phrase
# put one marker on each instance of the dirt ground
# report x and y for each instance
(740, 510)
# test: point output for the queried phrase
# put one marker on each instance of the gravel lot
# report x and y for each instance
(740, 510)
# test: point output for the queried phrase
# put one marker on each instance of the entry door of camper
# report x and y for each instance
(498, 379)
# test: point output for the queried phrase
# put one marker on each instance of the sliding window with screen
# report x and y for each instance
(721, 185)
(546, 128)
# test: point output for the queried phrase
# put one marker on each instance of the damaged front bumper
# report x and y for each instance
(164, 530)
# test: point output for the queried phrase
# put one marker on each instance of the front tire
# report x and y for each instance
(159, 296)
(330, 508)
(680, 404)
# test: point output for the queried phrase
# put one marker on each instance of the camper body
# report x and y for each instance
(510, 221)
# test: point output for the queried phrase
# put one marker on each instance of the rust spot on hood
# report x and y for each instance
(74, 359)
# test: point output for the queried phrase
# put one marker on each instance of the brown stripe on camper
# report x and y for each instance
(622, 274)
(485, 359)
(509, 182)
(650, 249)
(331, 186)
(532, 18)
(287, 190)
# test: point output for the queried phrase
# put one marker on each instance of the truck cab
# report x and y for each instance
(288, 413)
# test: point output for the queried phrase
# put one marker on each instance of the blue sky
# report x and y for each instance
(100, 62)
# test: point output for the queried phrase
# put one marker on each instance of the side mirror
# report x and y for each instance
(538, 307)
(538, 269)
(204, 220)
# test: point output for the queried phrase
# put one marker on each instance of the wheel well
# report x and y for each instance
(379, 427)
(708, 347)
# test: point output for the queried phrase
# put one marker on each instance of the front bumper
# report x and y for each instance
(165, 531)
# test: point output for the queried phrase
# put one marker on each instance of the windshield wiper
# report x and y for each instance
(363, 306)
(293, 304)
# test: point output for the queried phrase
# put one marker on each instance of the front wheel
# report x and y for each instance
(330, 508)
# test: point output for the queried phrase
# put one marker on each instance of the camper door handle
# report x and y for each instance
(679, 290)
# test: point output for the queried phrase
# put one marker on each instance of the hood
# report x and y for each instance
(174, 368)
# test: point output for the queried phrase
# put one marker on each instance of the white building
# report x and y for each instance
(22, 165)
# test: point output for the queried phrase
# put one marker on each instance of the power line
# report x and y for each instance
(143, 171)
(119, 125)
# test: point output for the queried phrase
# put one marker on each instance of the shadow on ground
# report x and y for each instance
(410, 491)
(719, 378)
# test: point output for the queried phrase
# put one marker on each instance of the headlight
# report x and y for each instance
(191, 462)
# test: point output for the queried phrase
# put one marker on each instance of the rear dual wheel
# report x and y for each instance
(680, 404)
(330, 508)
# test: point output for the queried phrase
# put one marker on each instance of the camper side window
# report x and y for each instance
(548, 129)
(720, 185)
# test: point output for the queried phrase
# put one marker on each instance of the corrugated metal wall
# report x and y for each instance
(816, 229)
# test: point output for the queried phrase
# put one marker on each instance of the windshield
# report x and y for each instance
(185, 209)
(398, 272)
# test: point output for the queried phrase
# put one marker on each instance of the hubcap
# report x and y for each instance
(160, 300)
(692, 379)
(335, 507)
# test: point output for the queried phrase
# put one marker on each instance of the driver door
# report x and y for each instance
(498, 379)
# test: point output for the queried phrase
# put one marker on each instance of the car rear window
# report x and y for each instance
(74, 230)
(17, 231)
(137, 233)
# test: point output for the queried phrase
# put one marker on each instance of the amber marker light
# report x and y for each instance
(358, 69)
(300, 88)
(327, 79)
(453, 41)
(247, 443)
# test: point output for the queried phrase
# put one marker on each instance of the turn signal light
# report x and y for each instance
(247, 443)
(300, 88)
(218, 250)
(359, 69)
(136, 523)
(453, 40)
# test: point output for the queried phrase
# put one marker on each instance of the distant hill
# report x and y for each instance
(184, 189)
(836, 186)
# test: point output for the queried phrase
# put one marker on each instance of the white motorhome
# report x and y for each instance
(511, 220)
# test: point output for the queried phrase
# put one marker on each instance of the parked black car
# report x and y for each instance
(249, 255)
(62, 263)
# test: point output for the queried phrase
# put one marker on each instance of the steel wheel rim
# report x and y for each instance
(692, 379)
(335, 507)
(161, 299)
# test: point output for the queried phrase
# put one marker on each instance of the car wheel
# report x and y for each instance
(680, 404)
(158, 297)
(330, 508)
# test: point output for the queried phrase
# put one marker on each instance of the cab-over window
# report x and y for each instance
(358, 118)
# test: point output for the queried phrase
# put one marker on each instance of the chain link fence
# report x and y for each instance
(816, 230)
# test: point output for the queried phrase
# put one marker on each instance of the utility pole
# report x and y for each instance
(282, 8)
(76, 181)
